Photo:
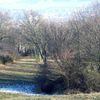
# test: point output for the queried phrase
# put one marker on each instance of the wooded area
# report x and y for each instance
(73, 44)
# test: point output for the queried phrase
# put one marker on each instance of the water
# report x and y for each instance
(18, 87)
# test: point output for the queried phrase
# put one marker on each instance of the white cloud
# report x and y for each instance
(8, 1)
(46, 7)
(61, 8)
(45, 4)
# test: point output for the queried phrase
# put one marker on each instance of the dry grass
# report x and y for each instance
(92, 96)
(26, 69)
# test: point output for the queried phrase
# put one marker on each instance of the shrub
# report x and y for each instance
(92, 79)
(5, 59)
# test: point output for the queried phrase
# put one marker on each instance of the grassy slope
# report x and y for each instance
(19, 70)
(26, 69)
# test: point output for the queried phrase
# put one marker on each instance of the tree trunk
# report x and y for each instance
(45, 58)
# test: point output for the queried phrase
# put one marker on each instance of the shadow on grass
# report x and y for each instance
(48, 83)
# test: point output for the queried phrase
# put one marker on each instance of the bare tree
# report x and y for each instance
(34, 29)
(5, 22)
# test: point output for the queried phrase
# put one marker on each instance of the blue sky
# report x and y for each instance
(46, 7)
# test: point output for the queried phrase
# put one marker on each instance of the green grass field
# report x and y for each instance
(26, 70)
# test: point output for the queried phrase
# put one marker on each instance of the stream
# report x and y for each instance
(18, 87)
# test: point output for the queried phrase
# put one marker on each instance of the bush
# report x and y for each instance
(53, 86)
(5, 59)
(92, 79)
(77, 82)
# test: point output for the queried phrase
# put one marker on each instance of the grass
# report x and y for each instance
(26, 70)
(23, 69)
(8, 96)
